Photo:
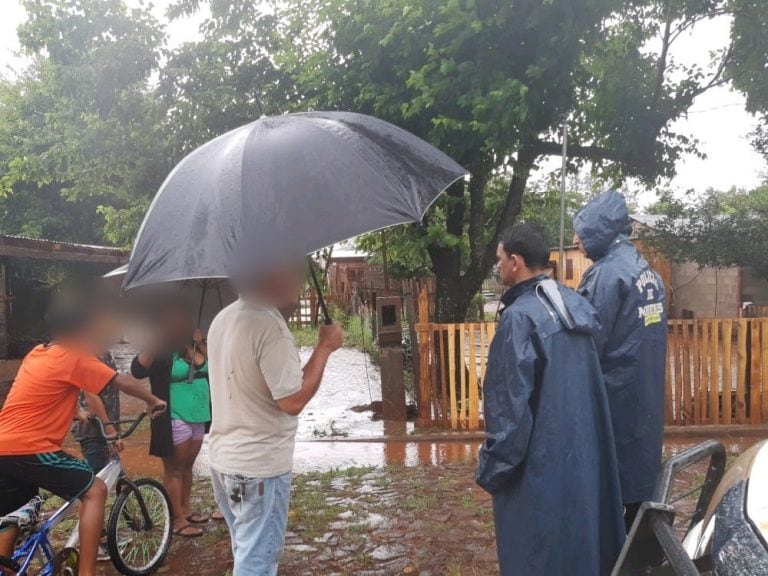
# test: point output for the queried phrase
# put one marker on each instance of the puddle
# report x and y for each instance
(734, 444)
(350, 379)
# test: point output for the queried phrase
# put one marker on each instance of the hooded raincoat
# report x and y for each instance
(630, 298)
(548, 459)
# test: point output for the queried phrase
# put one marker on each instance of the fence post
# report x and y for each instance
(754, 376)
(424, 382)
(764, 391)
(409, 305)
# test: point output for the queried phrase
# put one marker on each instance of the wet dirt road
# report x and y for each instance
(369, 507)
(325, 426)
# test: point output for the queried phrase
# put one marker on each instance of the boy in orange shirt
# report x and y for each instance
(39, 410)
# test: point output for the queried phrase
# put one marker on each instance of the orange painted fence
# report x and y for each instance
(717, 372)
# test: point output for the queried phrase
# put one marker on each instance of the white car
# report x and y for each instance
(728, 533)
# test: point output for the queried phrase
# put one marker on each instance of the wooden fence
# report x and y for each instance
(717, 372)
(753, 311)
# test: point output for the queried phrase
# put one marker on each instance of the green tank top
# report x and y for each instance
(190, 401)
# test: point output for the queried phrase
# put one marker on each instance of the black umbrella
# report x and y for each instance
(208, 295)
(282, 186)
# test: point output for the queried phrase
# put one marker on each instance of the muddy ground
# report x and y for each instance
(381, 521)
(364, 522)
(368, 508)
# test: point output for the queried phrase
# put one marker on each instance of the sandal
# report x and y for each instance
(196, 518)
(218, 516)
(188, 531)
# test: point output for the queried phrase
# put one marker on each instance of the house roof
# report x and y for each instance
(650, 220)
(43, 249)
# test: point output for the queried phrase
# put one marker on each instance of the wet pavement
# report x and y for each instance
(364, 507)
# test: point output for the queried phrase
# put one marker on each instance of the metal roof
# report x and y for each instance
(15, 246)
(650, 220)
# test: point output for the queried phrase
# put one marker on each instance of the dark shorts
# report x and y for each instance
(58, 472)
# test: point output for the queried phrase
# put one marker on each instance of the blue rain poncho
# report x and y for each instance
(630, 298)
(548, 459)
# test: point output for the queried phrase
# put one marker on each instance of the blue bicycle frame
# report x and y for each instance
(37, 543)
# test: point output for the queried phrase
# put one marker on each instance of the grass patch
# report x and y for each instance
(311, 513)
(357, 334)
(419, 502)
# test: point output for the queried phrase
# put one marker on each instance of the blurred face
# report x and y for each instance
(283, 285)
(510, 266)
(101, 332)
(176, 328)
(578, 244)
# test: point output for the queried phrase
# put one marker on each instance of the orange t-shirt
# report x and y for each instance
(42, 402)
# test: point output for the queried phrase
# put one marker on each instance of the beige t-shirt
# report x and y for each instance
(252, 362)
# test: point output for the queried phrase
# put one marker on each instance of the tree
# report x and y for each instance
(226, 79)
(407, 246)
(747, 65)
(489, 82)
(721, 229)
(80, 127)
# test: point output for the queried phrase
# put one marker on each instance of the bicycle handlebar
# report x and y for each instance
(114, 438)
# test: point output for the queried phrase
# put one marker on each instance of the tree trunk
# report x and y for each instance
(455, 288)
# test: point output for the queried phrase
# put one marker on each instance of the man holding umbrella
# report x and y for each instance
(242, 205)
(258, 390)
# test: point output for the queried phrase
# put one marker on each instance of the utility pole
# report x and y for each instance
(561, 261)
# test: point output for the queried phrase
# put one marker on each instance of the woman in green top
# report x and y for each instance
(189, 407)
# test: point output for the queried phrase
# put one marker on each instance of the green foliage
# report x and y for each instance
(357, 333)
(80, 125)
(91, 128)
(746, 65)
(720, 229)
(226, 79)
(489, 82)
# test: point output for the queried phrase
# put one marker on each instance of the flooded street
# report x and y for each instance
(330, 434)
(350, 379)
(371, 497)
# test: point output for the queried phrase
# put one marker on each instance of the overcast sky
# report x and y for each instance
(717, 119)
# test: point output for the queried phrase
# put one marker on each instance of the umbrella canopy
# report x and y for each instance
(205, 297)
(283, 186)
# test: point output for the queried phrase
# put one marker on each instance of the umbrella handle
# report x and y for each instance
(323, 308)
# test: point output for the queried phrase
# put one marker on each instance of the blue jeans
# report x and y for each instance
(256, 512)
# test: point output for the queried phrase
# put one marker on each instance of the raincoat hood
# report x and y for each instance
(556, 299)
(601, 222)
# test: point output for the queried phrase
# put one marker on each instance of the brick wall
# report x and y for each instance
(707, 292)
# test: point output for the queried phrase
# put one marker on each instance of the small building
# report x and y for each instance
(692, 291)
(26, 267)
(348, 272)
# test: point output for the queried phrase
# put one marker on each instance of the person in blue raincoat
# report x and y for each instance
(548, 459)
(630, 298)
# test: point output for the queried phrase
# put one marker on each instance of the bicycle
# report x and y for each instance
(138, 527)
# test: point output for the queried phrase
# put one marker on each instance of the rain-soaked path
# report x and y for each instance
(363, 506)
(326, 426)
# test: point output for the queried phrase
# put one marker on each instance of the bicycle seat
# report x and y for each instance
(25, 517)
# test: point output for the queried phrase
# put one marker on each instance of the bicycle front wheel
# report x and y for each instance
(139, 528)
